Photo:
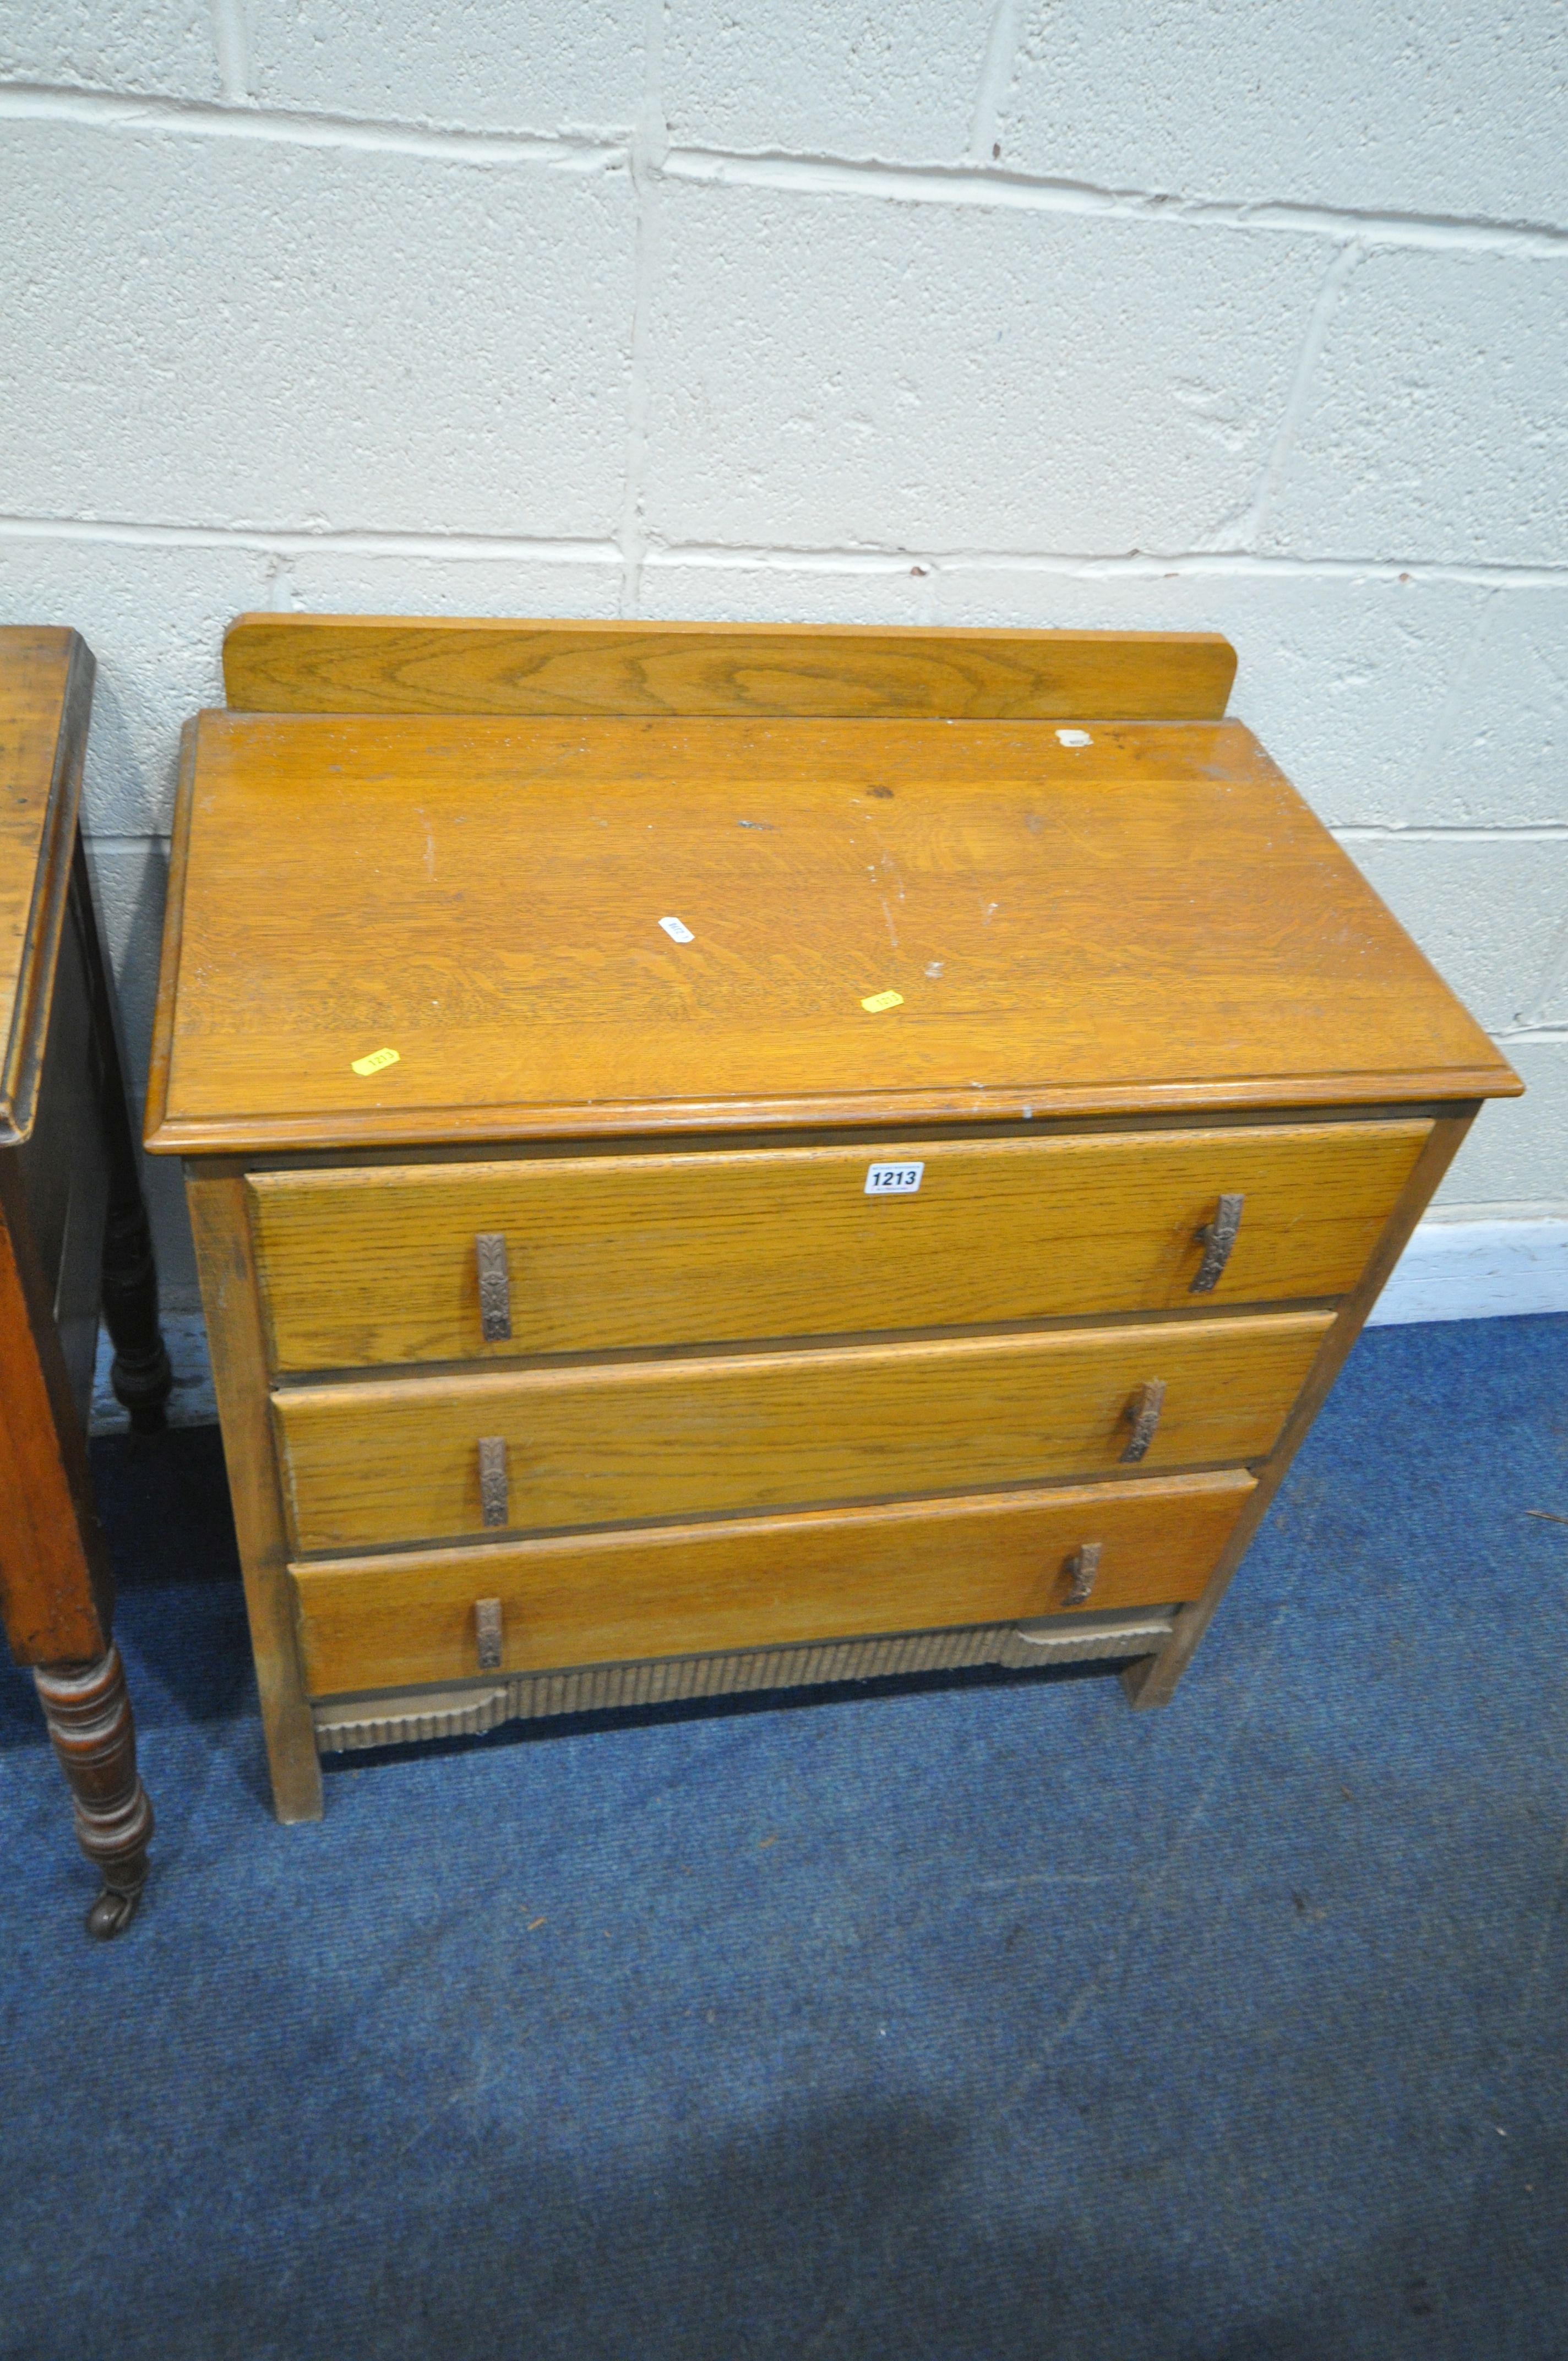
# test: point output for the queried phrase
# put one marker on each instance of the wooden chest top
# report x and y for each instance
(46, 686)
(570, 923)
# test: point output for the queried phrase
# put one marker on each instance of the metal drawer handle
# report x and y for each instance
(1216, 1238)
(487, 1629)
(1083, 1566)
(493, 1480)
(495, 1287)
(1144, 1411)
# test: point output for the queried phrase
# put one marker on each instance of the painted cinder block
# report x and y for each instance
(284, 336)
(378, 377)
(1433, 427)
(1340, 678)
(825, 371)
(541, 66)
(130, 879)
(1490, 912)
(1499, 751)
(396, 582)
(1454, 110)
(163, 48)
(154, 619)
(894, 83)
(1516, 1153)
(1391, 701)
(675, 589)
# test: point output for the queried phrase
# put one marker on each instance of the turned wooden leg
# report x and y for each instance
(88, 1717)
(140, 1372)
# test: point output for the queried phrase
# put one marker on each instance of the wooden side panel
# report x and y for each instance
(366, 663)
(1153, 1681)
(55, 1591)
(399, 1462)
(173, 942)
(387, 1622)
(239, 1378)
(45, 696)
(361, 1268)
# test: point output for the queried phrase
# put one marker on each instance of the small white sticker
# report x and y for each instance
(677, 932)
(1074, 738)
(893, 1180)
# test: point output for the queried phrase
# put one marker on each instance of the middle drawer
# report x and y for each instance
(399, 1461)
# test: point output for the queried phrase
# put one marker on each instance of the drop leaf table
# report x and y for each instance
(732, 1157)
(73, 1240)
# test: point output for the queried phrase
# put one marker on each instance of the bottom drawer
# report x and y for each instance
(676, 1590)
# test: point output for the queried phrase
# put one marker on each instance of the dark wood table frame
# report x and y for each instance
(73, 1240)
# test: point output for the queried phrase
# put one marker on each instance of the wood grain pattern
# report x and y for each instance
(1153, 1681)
(56, 1595)
(366, 663)
(1155, 922)
(239, 1378)
(537, 885)
(365, 1268)
(60, 1101)
(385, 1622)
(45, 696)
(398, 1461)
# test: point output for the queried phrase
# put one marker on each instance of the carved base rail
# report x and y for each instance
(346, 1724)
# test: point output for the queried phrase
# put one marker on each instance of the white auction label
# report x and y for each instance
(893, 1180)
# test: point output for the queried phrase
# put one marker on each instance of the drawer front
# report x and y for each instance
(400, 1462)
(768, 1582)
(379, 1266)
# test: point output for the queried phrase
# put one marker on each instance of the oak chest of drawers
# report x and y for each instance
(729, 1157)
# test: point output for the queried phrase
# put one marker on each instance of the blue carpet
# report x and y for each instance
(990, 2020)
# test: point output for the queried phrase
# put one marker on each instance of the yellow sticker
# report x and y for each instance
(375, 1061)
(880, 1000)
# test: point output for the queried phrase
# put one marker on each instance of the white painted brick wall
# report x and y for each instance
(827, 371)
(1436, 424)
(835, 78)
(543, 66)
(168, 47)
(1397, 106)
(1225, 313)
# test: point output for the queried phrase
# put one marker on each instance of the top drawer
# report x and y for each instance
(378, 1266)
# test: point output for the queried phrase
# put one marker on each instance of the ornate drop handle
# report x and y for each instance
(488, 1632)
(1143, 1412)
(495, 1287)
(1216, 1238)
(1083, 1566)
(493, 1480)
